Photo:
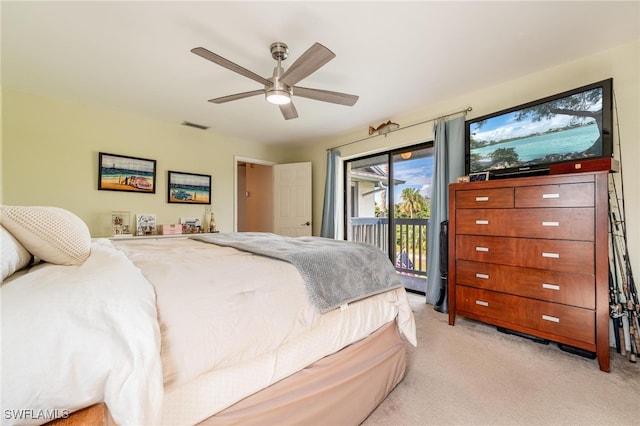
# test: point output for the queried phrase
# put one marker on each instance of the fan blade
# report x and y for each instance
(325, 96)
(289, 111)
(310, 61)
(237, 96)
(217, 59)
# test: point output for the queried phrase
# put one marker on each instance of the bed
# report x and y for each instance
(192, 330)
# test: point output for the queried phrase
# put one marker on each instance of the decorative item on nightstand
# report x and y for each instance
(121, 223)
(145, 224)
(171, 229)
(190, 225)
(212, 223)
(206, 222)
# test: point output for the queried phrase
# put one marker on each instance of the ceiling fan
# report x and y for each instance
(279, 88)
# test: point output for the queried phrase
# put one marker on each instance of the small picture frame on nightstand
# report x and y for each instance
(145, 224)
(121, 223)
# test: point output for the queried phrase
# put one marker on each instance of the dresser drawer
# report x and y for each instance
(560, 320)
(552, 223)
(495, 198)
(568, 195)
(555, 223)
(489, 304)
(552, 286)
(556, 255)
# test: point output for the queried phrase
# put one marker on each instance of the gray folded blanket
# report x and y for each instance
(335, 271)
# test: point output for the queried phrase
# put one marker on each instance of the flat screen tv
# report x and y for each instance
(528, 139)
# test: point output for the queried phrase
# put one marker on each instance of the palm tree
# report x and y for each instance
(413, 201)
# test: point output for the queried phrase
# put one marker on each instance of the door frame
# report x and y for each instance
(239, 159)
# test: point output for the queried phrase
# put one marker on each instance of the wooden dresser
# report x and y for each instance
(530, 254)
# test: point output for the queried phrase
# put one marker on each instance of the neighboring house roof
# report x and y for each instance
(373, 174)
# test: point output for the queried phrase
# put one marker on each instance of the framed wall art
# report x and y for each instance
(122, 173)
(189, 188)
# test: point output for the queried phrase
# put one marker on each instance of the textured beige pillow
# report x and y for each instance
(53, 234)
(14, 256)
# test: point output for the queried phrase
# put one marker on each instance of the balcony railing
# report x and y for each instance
(411, 245)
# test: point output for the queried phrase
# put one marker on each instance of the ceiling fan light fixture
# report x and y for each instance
(280, 88)
(278, 97)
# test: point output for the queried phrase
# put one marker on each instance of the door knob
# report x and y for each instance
(306, 223)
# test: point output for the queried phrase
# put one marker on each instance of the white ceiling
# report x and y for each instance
(398, 57)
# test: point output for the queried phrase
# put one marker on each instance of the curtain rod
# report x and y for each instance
(465, 111)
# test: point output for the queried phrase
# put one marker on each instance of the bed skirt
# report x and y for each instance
(340, 389)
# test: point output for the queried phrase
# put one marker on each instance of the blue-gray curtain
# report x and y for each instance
(329, 214)
(448, 165)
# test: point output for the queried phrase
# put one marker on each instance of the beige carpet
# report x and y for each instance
(470, 374)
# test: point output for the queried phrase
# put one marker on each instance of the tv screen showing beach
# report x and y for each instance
(565, 129)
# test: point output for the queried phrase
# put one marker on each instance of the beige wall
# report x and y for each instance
(622, 63)
(50, 157)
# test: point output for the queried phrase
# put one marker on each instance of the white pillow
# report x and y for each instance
(53, 234)
(14, 256)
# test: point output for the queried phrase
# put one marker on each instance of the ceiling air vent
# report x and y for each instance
(197, 126)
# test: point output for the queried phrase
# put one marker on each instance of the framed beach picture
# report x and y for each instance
(189, 188)
(122, 173)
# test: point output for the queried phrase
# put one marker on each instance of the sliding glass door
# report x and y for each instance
(387, 204)
(367, 201)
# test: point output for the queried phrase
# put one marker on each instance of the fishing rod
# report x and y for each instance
(618, 300)
(632, 302)
(628, 297)
(625, 291)
(616, 311)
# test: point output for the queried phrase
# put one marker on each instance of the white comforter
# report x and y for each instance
(233, 323)
(215, 326)
(73, 336)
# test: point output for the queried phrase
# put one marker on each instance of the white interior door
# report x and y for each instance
(292, 199)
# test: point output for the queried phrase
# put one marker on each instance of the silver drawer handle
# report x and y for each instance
(482, 248)
(551, 255)
(550, 195)
(550, 286)
(482, 303)
(550, 318)
(482, 198)
(482, 222)
(483, 276)
(550, 223)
